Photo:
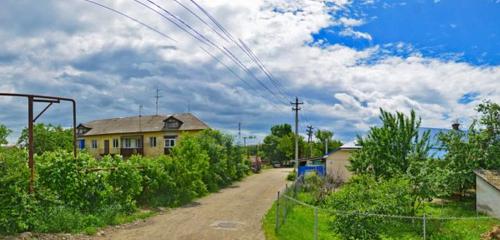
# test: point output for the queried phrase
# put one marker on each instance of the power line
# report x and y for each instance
(200, 37)
(168, 37)
(131, 18)
(241, 45)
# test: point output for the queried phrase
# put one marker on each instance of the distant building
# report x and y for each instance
(488, 192)
(144, 135)
(337, 161)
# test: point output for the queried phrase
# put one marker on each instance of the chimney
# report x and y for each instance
(455, 125)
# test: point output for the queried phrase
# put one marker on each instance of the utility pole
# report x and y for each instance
(326, 146)
(239, 133)
(296, 108)
(157, 96)
(309, 139)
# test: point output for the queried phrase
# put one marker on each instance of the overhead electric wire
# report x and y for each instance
(204, 40)
(245, 50)
(201, 19)
(170, 38)
(131, 18)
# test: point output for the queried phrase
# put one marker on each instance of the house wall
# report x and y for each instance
(487, 198)
(148, 150)
(337, 163)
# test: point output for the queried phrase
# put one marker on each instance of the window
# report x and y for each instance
(132, 143)
(94, 143)
(127, 143)
(116, 143)
(170, 141)
(172, 123)
(152, 141)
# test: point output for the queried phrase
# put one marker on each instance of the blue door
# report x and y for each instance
(81, 143)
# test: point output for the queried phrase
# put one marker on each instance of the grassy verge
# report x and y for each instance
(299, 223)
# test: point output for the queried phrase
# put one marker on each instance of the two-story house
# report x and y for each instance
(145, 135)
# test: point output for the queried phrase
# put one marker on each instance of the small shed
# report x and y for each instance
(337, 162)
(488, 192)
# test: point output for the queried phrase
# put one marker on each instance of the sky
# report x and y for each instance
(344, 59)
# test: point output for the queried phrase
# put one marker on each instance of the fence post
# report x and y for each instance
(315, 223)
(277, 212)
(424, 221)
(285, 206)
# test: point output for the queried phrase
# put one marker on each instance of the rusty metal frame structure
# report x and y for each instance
(31, 120)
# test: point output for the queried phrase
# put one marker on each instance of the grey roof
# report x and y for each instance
(490, 176)
(136, 124)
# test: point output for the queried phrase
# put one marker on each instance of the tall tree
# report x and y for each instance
(4, 133)
(389, 150)
(322, 136)
(279, 146)
(48, 138)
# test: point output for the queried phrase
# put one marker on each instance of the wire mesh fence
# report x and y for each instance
(314, 222)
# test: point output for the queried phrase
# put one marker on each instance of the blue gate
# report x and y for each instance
(319, 169)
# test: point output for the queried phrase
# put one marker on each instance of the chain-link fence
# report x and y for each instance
(313, 222)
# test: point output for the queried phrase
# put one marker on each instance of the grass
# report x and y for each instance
(299, 223)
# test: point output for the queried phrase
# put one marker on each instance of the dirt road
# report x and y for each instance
(232, 213)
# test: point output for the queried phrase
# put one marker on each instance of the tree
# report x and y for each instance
(48, 138)
(322, 136)
(489, 135)
(4, 133)
(389, 150)
(279, 146)
(478, 147)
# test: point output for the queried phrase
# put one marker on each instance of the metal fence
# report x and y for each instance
(423, 225)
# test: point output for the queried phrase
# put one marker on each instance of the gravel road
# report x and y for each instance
(233, 213)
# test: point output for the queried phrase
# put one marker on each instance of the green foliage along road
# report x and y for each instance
(82, 194)
(279, 146)
(4, 133)
(48, 138)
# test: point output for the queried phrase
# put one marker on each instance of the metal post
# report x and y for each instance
(277, 212)
(74, 129)
(315, 223)
(31, 146)
(424, 220)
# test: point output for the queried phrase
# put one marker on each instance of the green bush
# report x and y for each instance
(16, 204)
(291, 176)
(82, 194)
(363, 195)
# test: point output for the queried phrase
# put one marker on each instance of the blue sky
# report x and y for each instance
(459, 30)
(344, 59)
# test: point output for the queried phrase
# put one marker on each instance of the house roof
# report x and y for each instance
(137, 124)
(490, 176)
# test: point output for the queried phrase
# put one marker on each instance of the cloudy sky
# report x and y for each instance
(344, 59)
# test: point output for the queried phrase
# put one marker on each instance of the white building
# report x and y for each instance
(337, 161)
(488, 192)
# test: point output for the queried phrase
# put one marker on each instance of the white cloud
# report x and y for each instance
(349, 32)
(111, 65)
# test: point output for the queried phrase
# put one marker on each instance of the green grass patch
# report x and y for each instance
(299, 223)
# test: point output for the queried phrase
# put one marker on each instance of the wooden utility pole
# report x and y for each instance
(309, 139)
(296, 108)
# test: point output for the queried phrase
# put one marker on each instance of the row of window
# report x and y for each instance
(137, 142)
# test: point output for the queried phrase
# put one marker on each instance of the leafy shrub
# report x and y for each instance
(83, 194)
(363, 195)
(291, 176)
(15, 202)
